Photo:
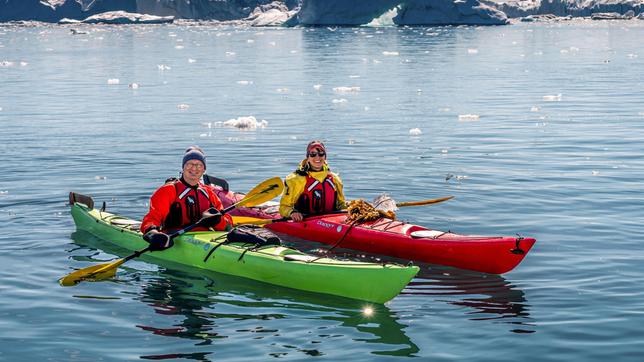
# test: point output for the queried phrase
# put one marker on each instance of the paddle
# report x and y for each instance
(239, 220)
(424, 202)
(261, 193)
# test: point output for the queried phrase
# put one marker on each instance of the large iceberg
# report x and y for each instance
(448, 12)
(575, 8)
(55, 10)
(408, 12)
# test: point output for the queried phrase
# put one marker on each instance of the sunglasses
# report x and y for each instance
(197, 165)
(315, 154)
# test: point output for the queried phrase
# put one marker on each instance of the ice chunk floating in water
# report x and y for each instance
(113, 81)
(246, 123)
(468, 117)
(346, 89)
(550, 98)
(415, 132)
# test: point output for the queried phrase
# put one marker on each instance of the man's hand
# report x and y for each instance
(211, 217)
(158, 241)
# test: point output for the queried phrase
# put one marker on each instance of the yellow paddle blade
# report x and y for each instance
(424, 202)
(91, 273)
(246, 220)
(263, 192)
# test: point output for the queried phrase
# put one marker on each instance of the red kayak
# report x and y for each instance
(488, 254)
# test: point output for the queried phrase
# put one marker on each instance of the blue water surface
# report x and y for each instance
(536, 129)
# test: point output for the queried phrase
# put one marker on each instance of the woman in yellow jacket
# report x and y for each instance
(312, 189)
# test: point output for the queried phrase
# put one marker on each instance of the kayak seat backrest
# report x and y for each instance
(212, 180)
(81, 199)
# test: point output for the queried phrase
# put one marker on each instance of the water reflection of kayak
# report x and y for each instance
(486, 296)
(210, 306)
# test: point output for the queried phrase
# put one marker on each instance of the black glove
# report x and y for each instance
(211, 217)
(158, 241)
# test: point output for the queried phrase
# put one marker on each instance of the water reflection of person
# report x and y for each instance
(184, 295)
(490, 295)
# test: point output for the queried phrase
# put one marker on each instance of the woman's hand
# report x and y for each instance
(296, 216)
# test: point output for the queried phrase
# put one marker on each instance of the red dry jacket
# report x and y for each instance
(176, 205)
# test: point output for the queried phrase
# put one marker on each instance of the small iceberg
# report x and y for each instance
(123, 17)
(273, 14)
(246, 123)
(415, 132)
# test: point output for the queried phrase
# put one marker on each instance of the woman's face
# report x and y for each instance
(316, 159)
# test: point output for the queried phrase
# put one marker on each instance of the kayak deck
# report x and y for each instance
(278, 265)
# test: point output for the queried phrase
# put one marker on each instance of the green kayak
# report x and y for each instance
(274, 264)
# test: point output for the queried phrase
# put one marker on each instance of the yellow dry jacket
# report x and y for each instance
(294, 188)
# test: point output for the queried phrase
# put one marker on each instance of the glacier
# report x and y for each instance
(324, 12)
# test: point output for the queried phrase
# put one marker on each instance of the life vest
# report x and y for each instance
(317, 197)
(188, 206)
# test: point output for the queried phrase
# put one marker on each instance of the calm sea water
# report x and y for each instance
(535, 128)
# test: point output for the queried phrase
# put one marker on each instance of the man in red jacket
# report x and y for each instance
(180, 203)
